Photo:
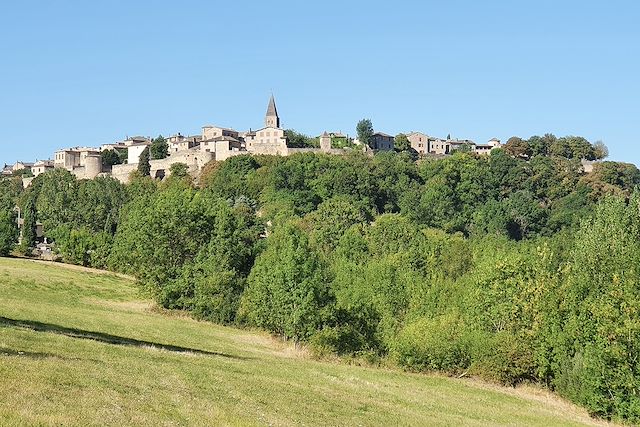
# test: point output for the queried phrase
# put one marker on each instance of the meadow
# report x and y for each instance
(85, 347)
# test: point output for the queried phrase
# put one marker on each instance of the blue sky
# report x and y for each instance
(87, 73)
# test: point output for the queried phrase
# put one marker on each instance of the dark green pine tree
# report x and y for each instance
(144, 167)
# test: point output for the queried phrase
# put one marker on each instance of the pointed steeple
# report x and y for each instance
(272, 119)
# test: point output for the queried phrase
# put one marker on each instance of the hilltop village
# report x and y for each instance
(219, 143)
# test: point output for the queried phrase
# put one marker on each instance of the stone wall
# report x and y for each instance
(122, 172)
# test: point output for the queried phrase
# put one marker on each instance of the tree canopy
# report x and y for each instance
(364, 130)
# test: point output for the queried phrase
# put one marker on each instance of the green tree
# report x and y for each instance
(179, 170)
(402, 142)
(159, 148)
(300, 140)
(110, 158)
(600, 151)
(597, 332)
(144, 167)
(517, 147)
(23, 173)
(364, 130)
(29, 225)
(287, 288)
(8, 232)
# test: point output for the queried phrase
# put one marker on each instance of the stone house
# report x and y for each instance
(419, 142)
(20, 166)
(382, 142)
(486, 148)
(180, 142)
(439, 146)
(134, 150)
(41, 166)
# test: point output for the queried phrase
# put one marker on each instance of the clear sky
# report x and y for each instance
(92, 72)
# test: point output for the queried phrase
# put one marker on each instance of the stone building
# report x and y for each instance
(419, 142)
(20, 166)
(180, 142)
(486, 148)
(439, 146)
(41, 166)
(325, 141)
(134, 150)
(270, 139)
(382, 142)
(210, 132)
(83, 162)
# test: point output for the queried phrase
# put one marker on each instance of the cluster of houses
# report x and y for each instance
(219, 143)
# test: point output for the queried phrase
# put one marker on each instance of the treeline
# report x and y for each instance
(510, 268)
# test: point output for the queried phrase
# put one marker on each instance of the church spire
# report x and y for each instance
(272, 119)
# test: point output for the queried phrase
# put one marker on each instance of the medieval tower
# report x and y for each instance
(272, 120)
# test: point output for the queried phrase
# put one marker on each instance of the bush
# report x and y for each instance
(507, 359)
(444, 343)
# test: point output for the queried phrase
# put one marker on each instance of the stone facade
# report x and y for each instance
(134, 151)
(419, 142)
(268, 140)
(382, 142)
(83, 162)
(194, 159)
(41, 166)
(180, 142)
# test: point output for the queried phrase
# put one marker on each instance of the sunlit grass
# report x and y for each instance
(59, 365)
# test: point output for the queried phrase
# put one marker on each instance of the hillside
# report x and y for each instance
(81, 347)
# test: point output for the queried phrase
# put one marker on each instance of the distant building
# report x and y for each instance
(41, 166)
(134, 150)
(381, 141)
(486, 148)
(439, 146)
(419, 142)
(337, 139)
(83, 162)
(180, 142)
(220, 141)
(270, 139)
(461, 145)
(115, 146)
(20, 166)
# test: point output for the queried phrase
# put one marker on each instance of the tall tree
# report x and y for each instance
(300, 140)
(8, 232)
(110, 158)
(364, 129)
(29, 226)
(287, 288)
(159, 148)
(600, 150)
(402, 142)
(517, 147)
(144, 167)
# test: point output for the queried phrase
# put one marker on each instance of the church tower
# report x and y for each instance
(271, 119)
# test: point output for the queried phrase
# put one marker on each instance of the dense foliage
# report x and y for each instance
(515, 266)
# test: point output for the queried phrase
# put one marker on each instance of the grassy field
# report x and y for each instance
(84, 348)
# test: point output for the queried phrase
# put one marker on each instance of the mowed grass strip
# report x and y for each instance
(85, 348)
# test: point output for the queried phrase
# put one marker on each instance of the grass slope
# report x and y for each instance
(83, 348)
